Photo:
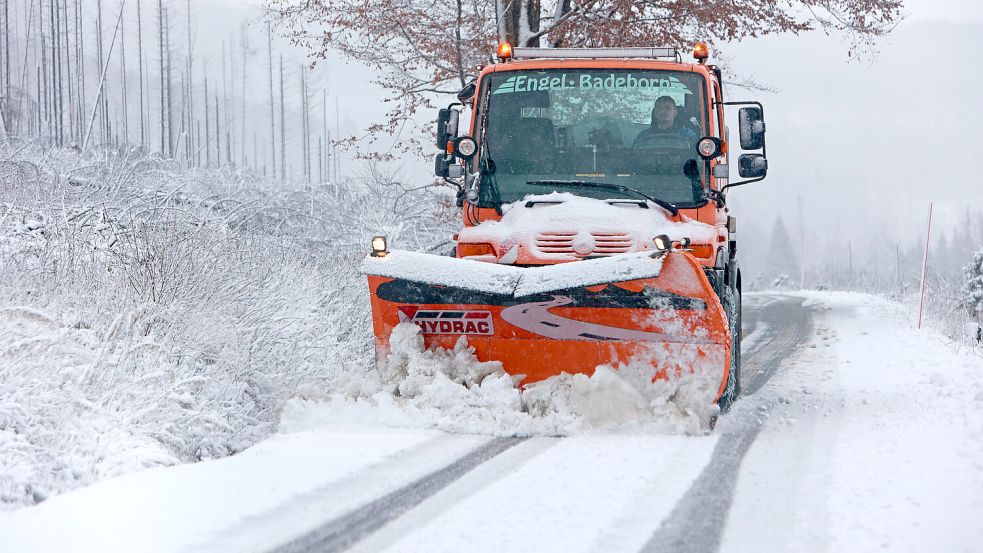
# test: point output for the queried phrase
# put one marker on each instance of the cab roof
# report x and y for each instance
(595, 63)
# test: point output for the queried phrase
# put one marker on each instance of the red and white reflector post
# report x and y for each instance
(921, 292)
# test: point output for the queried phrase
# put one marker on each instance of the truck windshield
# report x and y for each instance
(637, 128)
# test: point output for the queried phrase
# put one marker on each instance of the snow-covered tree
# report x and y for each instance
(782, 266)
(972, 292)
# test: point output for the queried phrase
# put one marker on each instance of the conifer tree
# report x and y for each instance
(972, 292)
(782, 264)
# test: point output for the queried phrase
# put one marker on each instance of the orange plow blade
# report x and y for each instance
(543, 321)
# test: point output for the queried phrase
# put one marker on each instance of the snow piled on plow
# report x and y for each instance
(451, 390)
(509, 280)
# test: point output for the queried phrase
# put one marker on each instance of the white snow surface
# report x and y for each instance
(451, 390)
(509, 280)
(873, 441)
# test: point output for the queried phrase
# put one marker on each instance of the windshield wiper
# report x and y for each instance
(486, 167)
(610, 186)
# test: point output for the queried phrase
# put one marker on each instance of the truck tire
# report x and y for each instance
(732, 307)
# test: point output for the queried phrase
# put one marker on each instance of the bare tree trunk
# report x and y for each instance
(228, 142)
(55, 80)
(198, 140)
(80, 64)
(225, 102)
(244, 44)
(122, 70)
(102, 77)
(218, 135)
(190, 88)
(143, 129)
(23, 75)
(104, 131)
(305, 135)
(324, 133)
(68, 71)
(5, 73)
(60, 65)
(163, 91)
(181, 141)
(283, 129)
(521, 20)
(269, 52)
(208, 144)
(44, 72)
(39, 102)
(5, 101)
(337, 134)
(562, 8)
(170, 103)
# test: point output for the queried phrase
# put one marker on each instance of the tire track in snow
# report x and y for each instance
(698, 521)
(788, 326)
(345, 531)
(434, 509)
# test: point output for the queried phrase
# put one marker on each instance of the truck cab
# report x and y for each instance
(624, 125)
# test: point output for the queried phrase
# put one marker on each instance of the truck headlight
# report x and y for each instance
(465, 147)
(379, 246)
(662, 242)
(708, 147)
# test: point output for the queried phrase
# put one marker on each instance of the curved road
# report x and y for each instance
(775, 326)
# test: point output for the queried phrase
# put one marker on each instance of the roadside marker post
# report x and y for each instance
(921, 292)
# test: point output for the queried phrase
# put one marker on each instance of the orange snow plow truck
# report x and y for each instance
(593, 186)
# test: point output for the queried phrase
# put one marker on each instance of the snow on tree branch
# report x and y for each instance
(425, 49)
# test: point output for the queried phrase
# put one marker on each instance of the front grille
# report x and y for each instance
(605, 243)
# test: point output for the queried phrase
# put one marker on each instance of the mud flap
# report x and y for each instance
(542, 321)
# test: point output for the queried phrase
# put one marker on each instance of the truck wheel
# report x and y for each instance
(732, 307)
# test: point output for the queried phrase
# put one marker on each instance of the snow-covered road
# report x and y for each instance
(856, 433)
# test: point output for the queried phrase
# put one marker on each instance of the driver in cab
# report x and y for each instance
(664, 123)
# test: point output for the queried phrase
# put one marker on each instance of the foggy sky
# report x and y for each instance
(853, 142)
(859, 147)
(850, 141)
(862, 142)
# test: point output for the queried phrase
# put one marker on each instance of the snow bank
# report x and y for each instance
(56, 431)
(185, 508)
(452, 390)
(153, 315)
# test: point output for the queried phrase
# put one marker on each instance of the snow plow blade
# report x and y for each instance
(542, 321)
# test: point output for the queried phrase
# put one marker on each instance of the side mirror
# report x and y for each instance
(752, 166)
(446, 127)
(466, 93)
(444, 166)
(752, 124)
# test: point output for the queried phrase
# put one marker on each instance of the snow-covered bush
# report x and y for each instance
(155, 315)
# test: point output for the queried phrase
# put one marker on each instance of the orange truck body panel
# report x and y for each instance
(541, 336)
(576, 330)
